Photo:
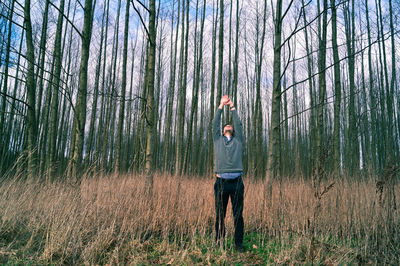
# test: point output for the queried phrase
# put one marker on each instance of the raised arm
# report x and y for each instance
(237, 124)
(216, 123)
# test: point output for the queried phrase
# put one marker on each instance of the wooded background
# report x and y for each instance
(132, 86)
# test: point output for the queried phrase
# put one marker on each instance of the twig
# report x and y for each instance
(141, 20)
(67, 19)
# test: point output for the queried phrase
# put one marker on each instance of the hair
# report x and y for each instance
(233, 129)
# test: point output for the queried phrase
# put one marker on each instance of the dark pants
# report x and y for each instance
(223, 189)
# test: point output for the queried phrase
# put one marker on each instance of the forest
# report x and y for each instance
(105, 106)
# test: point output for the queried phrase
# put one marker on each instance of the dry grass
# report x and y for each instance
(111, 219)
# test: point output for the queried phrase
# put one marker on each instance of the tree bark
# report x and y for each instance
(336, 130)
(273, 166)
(321, 95)
(121, 111)
(80, 109)
(31, 94)
(150, 90)
(5, 80)
(171, 91)
(51, 156)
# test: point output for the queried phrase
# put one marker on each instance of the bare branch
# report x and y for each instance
(12, 21)
(317, 105)
(10, 113)
(15, 99)
(287, 64)
(79, 2)
(143, 6)
(287, 9)
(310, 22)
(141, 20)
(67, 19)
(344, 58)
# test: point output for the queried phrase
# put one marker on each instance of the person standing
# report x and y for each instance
(228, 171)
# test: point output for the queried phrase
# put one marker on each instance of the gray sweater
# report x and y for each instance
(228, 155)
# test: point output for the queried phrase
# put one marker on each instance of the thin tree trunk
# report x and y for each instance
(150, 91)
(182, 95)
(258, 113)
(353, 135)
(213, 58)
(80, 109)
(311, 87)
(220, 51)
(5, 80)
(371, 93)
(121, 111)
(196, 86)
(171, 91)
(42, 56)
(394, 151)
(130, 134)
(236, 59)
(7, 147)
(322, 94)
(336, 130)
(51, 156)
(96, 92)
(100, 152)
(274, 138)
(31, 94)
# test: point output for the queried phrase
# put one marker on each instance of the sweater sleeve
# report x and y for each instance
(216, 124)
(237, 125)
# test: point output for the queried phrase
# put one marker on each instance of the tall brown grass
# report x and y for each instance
(112, 218)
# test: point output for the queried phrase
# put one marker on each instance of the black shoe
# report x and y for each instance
(240, 249)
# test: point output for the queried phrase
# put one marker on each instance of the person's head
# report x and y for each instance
(228, 130)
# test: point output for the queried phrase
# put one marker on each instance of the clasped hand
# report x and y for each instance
(225, 100)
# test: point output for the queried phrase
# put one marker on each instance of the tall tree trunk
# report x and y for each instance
(139, 146)
(336, 130)
(121, 111)
(109, 113)
(171, 90)
(150, 125)
(321, 95)
(93, 116)
(51, 156)
(114, 92)
(258, 112)
(42, 56)
(236, 58)
(7, 150)
(392, 145)
(80, 107)
(274, 136)
(213, 58)
(297, 123)
(310, 61)
(220, 51)
(99, 151)
(382, 118)
(5, 80)
(31, 94)
(353, 143)
(372, 102)
(160, 77)
(182, 94)
(130, 130)
(195, 87)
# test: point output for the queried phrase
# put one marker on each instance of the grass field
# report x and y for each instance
(116, 220)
